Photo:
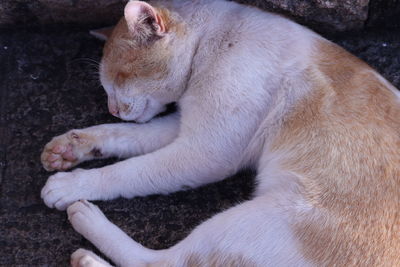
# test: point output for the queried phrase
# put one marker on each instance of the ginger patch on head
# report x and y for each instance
(123, 60)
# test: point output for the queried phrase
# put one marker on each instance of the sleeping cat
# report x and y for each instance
(254, 90)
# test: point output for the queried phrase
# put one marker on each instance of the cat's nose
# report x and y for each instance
(113, 107)
(114, 111)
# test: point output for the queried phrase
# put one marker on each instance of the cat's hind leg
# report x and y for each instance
(86, 258)
(88, 220)
(254, 233)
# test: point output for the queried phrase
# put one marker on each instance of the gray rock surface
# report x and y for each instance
(384, 13)
(84, 12)
(48, 86)
(321, 15)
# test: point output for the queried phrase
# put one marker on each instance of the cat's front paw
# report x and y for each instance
(87, 219)
(64, 188)
(86, 258)
(66, 151)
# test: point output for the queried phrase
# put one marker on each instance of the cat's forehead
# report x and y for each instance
(123, 62)
(119, 38)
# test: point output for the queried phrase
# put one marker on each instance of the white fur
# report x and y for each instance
(244, 77)
(85, 258)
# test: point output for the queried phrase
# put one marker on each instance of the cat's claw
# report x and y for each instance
(66, 151)
(86, 258)
(87, 219)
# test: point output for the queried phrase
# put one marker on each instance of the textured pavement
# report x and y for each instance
(48, 85)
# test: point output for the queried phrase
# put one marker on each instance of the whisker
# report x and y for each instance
(91, 63)
(86, 59)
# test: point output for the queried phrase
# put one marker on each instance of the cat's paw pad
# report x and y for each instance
(86, 258)
(64, 188)
(65, 151)
(86, 218)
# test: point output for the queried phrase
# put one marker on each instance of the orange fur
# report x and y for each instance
(126, 61)
(351, 121)
(170, 22)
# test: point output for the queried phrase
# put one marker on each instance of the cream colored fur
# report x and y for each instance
(253, 89)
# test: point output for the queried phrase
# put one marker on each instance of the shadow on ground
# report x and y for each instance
(48, 85)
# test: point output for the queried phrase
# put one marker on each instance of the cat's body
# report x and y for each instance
(253, 89)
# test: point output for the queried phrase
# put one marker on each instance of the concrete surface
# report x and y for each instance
(48, 85)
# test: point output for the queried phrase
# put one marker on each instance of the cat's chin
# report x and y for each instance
(150, 111)
(144, 118)
(139, 120)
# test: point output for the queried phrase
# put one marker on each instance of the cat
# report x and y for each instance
(254, 89)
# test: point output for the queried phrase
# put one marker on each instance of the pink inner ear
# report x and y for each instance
(137, 9)
(160, 23)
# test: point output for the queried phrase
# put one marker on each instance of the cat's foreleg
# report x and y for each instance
(122, 140)
(206, 150)
(185, 163)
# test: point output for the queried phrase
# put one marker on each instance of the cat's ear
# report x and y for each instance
(102, 33)
(143, 20)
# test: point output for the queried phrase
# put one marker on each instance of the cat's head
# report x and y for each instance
(140, 68)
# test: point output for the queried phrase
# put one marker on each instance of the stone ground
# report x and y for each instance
(48, 85)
